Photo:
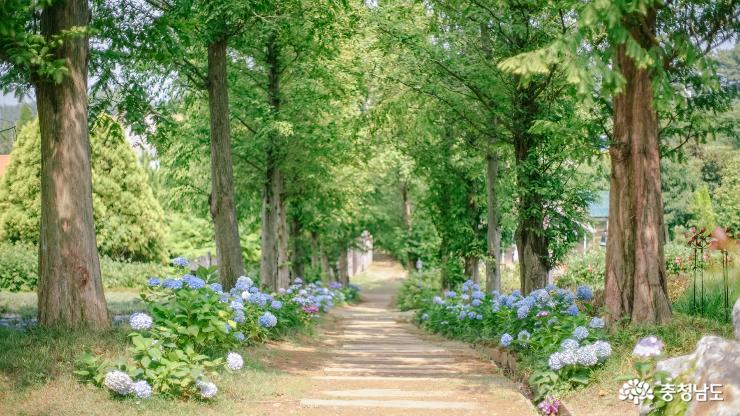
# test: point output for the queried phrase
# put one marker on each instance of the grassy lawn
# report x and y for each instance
(36, 376)
(120, 301)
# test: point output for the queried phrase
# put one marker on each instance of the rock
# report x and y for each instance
(736, 318)
(715, 361)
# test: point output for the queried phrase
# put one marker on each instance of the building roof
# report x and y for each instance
(4, 163)
(600, 207)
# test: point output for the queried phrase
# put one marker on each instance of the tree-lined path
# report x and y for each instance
(381, 365)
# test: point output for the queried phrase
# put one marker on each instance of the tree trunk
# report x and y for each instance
(275, 263)
(407, 221)
(493, 234)
(530, 234)
(472, 271)
(343, 268)
(326, 271)
(70, 286)
(636, 285)
(222, 200)
(315, 264)
(299, 252)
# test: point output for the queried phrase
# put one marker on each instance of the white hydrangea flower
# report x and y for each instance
(568, 357)
(554, 362)
(569, 344)
(140, 321)
(234, 361)
(142, 389)
(207, 389)
(119, 382)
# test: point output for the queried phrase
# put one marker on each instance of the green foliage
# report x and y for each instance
(587, 268)
(534, 327)
(713, 293)
(19, 265)
(128, 219)
(414, 293)
(702, 210)
(727, 196)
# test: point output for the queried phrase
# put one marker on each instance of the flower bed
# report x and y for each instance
(552, 329)
(193, 328)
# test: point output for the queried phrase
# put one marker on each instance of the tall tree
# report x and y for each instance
(636, 48)
(159, 38)
(70, 285)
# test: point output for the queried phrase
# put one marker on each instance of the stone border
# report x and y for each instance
(509, 363)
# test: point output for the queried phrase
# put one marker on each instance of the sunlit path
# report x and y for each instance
(381, 365)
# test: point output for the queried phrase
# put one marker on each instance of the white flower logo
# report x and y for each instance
(636, 391)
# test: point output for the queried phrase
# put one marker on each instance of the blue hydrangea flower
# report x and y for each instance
(584, 293)
(180, 262)
(239, 336)
(580, 333)
(572, 310)
(153, 281)
(569, 344)
(506, 340)
(243, 283)
(276, 304)
(478, 295)
(227, 328)
(564, 294)
(141, 389)
(216, 287)
(596, 323)
(475, 302)
(647, 347)
(239, 316)
(450, 294)
(236, 305)
(586, 356)
(602, 349)
(471, 315)
(479, 317)
(254, 289)
(523, 335)
(516, 293)
(495, 306)
(172, 283)
(550, 287)
(425, 317)
(522, 312)
(464, 296)
(462, 315)
(267, 320)
(438, 300)
(194, 282)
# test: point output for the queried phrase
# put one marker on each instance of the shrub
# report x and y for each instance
(192, 328)
(413, 292)
(19, 265)
(584, 268)
(128, 219)
(551, 328)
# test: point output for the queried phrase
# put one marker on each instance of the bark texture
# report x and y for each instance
(222, 200)
(493, 233)
(530, 234)
(70, 286)
(636, 285)
(298, 251)
(275, 263)
(472, 271)
(407, 219)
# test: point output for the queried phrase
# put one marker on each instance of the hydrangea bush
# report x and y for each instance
(552, 328)
(192, 327)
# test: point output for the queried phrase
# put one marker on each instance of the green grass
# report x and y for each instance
(713, 295)
(120, 301)
(36, 377)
